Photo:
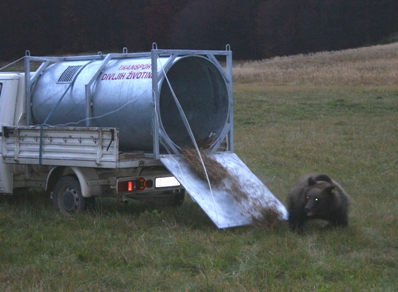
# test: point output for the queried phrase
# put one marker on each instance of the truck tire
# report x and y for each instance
(67, 196)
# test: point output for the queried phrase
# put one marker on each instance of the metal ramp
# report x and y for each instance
(222, 204)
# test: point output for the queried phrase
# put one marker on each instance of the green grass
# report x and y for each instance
(282, 133)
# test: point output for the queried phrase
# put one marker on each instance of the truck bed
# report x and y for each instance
(69, 146)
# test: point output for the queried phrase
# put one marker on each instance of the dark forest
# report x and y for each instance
(255, 29)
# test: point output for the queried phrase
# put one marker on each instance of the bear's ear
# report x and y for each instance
(323, 177)
(331, 190)
(311, 181)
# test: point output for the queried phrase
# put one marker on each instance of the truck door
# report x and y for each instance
(8, 96)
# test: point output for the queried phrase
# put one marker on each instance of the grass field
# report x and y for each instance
(333, 113)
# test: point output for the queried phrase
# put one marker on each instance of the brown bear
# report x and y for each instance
(317, 197)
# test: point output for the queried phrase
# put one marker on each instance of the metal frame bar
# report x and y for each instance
(88, 89)
(27, 88)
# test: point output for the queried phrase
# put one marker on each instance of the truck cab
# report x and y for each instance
(11, 113)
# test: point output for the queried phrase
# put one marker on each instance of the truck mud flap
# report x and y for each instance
(240, 198)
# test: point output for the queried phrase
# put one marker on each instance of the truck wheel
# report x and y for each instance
(67, 196)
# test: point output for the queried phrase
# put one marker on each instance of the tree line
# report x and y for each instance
(255, 29)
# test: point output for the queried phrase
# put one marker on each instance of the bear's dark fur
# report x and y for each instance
(317, 197)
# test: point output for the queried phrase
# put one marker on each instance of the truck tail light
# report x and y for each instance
(125, 186)
(128, 186)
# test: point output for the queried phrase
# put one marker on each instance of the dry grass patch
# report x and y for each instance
(374, 65)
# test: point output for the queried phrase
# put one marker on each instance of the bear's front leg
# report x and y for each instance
(296, 221)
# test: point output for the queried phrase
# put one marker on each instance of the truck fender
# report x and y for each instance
(83, 175)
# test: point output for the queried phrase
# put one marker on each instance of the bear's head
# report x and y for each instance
(319, 196)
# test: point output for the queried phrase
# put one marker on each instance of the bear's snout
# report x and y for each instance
(308, 211)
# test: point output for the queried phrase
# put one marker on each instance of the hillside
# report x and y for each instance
(375, 65)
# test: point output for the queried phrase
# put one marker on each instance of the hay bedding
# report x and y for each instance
(218, 175)
(216, 172)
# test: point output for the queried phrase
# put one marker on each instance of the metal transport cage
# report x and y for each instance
(135, 93)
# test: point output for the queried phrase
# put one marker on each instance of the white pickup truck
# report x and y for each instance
(81, 127)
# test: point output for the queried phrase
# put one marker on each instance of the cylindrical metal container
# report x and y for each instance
(122, 97)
